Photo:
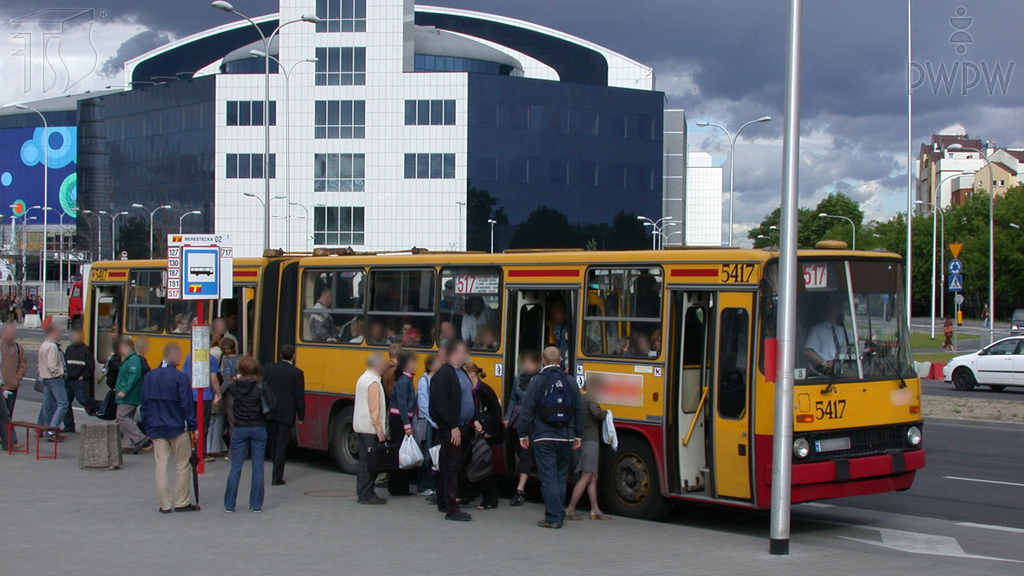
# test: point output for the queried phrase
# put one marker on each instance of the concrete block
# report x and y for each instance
(99, 447)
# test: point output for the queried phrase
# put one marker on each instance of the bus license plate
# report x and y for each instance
(831, 445)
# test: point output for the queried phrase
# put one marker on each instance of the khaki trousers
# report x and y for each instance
(181, 449)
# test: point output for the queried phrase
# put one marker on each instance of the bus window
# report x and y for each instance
(623, 313)
(471, 301)
(401, 308)
(732, 371)
(182, 314)
(145, 301)
(333, 306)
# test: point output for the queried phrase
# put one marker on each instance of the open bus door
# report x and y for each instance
(105, 303)
(690, 369)
(731, 394)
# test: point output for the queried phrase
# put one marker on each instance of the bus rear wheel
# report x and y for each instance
(344, 441)
(629, 481)
(964, 380)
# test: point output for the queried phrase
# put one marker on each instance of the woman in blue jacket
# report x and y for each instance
(402, 411)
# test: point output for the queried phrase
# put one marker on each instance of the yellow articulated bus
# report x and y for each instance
(679, 344)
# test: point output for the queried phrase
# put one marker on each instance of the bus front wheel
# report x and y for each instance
(629, 481)
(344, 441)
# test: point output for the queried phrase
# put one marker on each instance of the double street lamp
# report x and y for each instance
(956, 147)
(113, 232)
(732, 160)
(853, 226)
(151, 214)
(657, 228)
(267, 40)
(492, 222)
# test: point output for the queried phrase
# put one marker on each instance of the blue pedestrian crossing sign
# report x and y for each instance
(956, 282)
(955, 266)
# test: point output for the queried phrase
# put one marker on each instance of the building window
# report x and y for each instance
(339, 172)
(430, 112)
(340, 66)
(340, 119)
(341, 15)
(338, 226)
(249, 113)
(430, 166)
(242, 166)
(431, 63)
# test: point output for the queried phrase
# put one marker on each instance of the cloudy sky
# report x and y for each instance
(723, 62)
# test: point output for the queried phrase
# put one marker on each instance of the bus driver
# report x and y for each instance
(826, 341)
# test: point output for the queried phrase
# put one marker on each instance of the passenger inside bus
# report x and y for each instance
(182, 324)
(486, 341)
(353, 331)
(639, 346)
(375, 335)
(321, 325)
(477, 315)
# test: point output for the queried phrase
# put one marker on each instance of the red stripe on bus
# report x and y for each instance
(246, 273)
(117, 274)
(696, 273)
(544, 273)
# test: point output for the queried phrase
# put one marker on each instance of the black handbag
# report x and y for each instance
(383, 458)
(481, 461)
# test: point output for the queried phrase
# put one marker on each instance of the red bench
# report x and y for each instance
(39, 431)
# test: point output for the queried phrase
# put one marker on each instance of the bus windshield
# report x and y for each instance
(851, 320)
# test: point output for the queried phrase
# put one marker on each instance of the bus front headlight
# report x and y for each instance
(801, 448)
(914, 436)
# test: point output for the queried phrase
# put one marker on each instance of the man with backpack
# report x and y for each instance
(551, 421)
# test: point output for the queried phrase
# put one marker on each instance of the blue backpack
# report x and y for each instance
(558, 401)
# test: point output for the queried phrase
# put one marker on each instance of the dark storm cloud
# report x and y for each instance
(139, 44)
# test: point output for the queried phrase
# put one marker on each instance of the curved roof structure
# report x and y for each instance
(444, 32)
(574, 59)
(195, 52)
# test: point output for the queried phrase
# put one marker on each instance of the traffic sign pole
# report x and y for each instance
(200, 425)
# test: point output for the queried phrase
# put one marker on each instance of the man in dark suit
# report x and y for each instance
(288, 384)
(453, 409)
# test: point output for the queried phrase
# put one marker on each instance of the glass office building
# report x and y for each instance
(391, 126)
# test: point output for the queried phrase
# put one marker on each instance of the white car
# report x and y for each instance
(997, 366)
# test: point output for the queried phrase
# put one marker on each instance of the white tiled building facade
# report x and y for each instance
(703, 200)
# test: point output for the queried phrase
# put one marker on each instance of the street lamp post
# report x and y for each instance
(991, 238)
(462, 222)
(936, 205)
(151, 214)
(181, 219)
(287, 137)
(99, 231)
(492, 223)
(113, 233)
(853, 226)
(732, 160)
(260, 199)
(309, 18)
(46, 194)
(304, 235)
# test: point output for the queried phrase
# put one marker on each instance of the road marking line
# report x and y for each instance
(927, 544)
(984, 481)
(991, 527)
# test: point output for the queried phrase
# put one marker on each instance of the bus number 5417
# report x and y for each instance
(830, 410)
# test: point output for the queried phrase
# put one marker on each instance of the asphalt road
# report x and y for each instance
(940, 388)
(974, 473)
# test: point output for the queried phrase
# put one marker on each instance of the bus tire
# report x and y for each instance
(344, 441)
(629, 481)
(963, 379)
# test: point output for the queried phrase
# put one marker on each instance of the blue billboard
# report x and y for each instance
(22, 156)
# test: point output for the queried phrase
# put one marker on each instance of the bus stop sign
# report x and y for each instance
(199, 266)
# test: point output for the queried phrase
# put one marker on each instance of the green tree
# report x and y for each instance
(545, 228)
(133, 237)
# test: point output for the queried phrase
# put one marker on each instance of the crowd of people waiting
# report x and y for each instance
(448, 407)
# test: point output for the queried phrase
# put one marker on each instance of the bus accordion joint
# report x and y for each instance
(805, 418)
(693, 424)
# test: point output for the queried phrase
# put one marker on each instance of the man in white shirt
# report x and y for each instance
(370, 422)
(827, 340)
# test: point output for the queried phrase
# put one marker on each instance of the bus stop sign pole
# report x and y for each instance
(782, 454)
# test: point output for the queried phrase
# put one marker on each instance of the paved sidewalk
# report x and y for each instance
(59, 520)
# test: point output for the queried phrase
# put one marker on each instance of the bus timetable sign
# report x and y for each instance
(199, 266)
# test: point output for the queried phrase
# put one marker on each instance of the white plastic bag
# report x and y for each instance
(409, 455)
(608, 433)
(435, 457)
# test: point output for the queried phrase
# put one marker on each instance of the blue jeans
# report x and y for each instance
(55, 403)
(552, 459)
(255, 440)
